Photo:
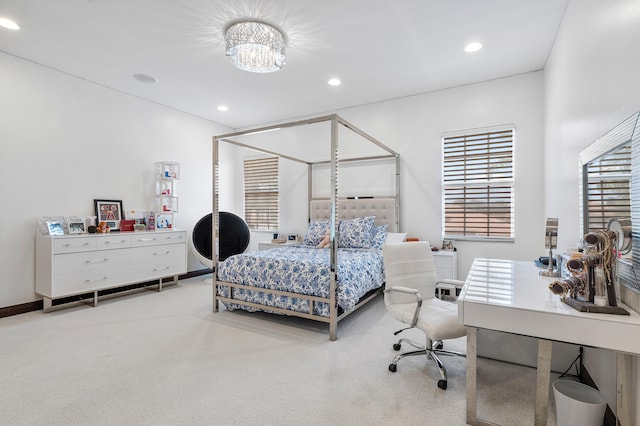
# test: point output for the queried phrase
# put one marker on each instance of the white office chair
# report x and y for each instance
(409, 296)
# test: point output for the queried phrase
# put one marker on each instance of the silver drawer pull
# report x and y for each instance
(98, 279)
(162, 254)
(121, 242)
(160, 269)
(88, 262)
(147, 239)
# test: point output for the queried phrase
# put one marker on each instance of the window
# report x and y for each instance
(608, 190)
(478, 176)
(261, 206)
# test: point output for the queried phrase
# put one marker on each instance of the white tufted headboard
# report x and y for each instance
(384, 209)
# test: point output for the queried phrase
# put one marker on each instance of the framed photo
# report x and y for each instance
(109, 211)
(43, 224)
(447, 245)
(76, 228)
(164, 221)
(55, 228)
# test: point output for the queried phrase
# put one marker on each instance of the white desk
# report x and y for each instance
(510, 296)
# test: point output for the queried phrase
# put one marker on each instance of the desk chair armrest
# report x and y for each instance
(411, 291)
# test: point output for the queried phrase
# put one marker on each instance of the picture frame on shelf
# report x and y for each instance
(43, 224)
(168, 170)
(447, 245)
(55, 228)
(109, 211)
(164, 221)
(77, 228)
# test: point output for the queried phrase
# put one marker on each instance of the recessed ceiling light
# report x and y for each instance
(473, 47)
(334, 82)
(8, 24)
(145, 78)
(223, 108)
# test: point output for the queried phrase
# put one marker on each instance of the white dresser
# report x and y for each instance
(67, 265)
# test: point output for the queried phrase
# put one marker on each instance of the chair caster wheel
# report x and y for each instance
(393, 368)
(396, 346)
(442, 384)
(438, 345)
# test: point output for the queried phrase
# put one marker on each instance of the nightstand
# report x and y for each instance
(446, 262)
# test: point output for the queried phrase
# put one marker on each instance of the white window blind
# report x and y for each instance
(608, 190)
(478, 185)
(261, 193)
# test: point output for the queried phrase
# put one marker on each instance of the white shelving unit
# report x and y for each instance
(166, 198)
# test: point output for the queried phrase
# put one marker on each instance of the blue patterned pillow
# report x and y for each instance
(378, 236)
(316, 232)
(356, 233)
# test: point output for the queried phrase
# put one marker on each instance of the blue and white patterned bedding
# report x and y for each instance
(302, 269)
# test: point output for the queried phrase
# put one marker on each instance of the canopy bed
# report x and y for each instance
(321, 284)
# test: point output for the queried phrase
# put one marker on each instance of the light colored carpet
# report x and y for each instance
(165, 358)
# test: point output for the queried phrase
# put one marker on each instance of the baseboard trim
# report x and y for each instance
(22, 308)
(37, 305)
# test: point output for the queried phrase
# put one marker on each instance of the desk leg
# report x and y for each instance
(472, 376)
(624, 367)
(542, 385)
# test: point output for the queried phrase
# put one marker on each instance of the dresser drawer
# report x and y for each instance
(147, 255)
(147, 263)
(158, 238)
(80, 272)
(68, 283)
(71, 245)
(90, 260)
(113, 241)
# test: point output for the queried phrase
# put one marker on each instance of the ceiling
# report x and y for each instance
(380, 49)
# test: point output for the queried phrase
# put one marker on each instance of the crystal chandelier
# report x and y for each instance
(255, 46)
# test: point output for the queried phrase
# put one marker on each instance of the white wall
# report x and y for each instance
(414, 126)
(590, 85)
(66, 141)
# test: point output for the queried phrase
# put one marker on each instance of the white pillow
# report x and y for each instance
(395, 237)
